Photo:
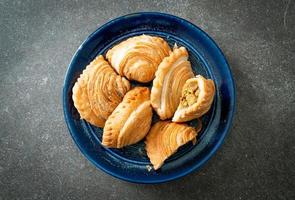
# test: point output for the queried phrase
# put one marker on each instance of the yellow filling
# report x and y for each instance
(189, 95)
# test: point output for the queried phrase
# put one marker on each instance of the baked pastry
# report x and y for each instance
(172, 73)
(81, 100)
(98, 91)
(138, 57)
(165, 138)
(130, 121)
(197, 97)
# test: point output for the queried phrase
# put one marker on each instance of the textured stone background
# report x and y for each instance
(38, 159)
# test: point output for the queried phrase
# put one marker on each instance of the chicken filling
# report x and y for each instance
(190, 95)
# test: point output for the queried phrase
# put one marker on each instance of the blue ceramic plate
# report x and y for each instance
(131, 163)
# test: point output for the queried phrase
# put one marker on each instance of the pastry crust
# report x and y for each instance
(196, 100)
(81, 100)
(172, 73)
(130, 121)
(138, 57)
(165, 138)
(98, 91)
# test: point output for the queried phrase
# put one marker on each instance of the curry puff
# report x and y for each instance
(98, 91)
(197, 97)
(130, 121)
(165, 138)
(172, 74)
(137, 58)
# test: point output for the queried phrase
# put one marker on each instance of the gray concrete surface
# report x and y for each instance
(38, 159)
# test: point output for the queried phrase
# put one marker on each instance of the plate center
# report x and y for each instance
(136, 153)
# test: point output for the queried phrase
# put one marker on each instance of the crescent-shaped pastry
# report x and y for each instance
(130, 121)
(197, 97)
(165, 138)
(138, 57)
(172, 73)
(81, 100)
(98, 91)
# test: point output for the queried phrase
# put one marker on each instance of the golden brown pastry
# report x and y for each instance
(197, 97)
(130, 121)
(165, 138)
(81, 100)
(138, 57)
(172, 73)
(98, 91)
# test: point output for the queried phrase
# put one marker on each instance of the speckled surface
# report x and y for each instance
(38, 159)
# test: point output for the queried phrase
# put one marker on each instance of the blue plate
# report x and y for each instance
(131, 163)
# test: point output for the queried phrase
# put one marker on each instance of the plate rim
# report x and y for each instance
(206, 158)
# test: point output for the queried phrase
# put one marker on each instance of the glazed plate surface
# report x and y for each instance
(131, 163)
